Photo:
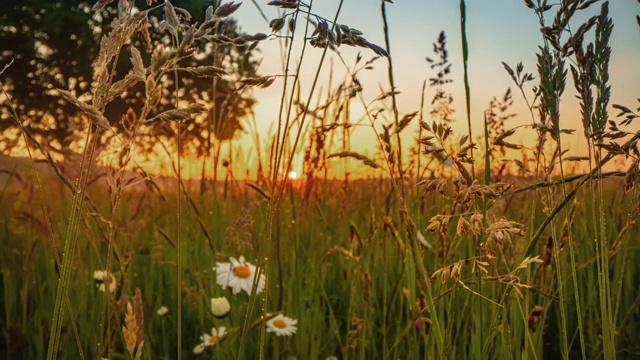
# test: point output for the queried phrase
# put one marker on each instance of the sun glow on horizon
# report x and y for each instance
(293, 175)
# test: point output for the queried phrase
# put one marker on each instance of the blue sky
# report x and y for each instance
(497, 30)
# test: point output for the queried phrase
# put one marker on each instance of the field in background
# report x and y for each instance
(435, 245)
(339, 269)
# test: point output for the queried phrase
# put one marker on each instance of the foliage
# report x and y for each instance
(66, 38)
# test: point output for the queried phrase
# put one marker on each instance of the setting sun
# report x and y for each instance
(293, 175)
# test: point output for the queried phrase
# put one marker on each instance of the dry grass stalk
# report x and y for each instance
(139, 313)
(133, 329)
(501, 232)
(355, 155)
(130, 329)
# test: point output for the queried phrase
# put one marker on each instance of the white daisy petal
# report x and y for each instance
(162, 311)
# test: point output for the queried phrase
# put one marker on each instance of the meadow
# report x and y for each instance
(454, 246)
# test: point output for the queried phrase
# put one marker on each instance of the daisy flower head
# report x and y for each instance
(101, 277)
(238, 275)
(198, 349)
(282, 325)
(214, 338)
(220, 307)
(162, 311)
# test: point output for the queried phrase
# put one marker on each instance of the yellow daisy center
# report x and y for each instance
(279, 323)
(213, 340)
(241, 271)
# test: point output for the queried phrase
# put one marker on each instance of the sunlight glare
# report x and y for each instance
(293, 175)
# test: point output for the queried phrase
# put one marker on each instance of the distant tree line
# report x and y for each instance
(53, 45)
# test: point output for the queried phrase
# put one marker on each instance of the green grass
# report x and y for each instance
(322, 289)
(414, 263)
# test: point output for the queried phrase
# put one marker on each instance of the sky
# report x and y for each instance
(497, 30)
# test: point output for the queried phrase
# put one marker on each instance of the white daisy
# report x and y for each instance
(220, 307)
(101, 277)
(198, 349)
(238, 275)
(216, 334)
(163, 310)
(282, 325)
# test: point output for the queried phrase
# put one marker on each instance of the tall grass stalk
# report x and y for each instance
(574, 274)
(420, 129)
(485, 206)
(465, 61)
(394, 107)
(278, 185)
(583, 179)
(62, 290)
(411, 261)
(572, 256)
(604, 27)
(45, 212)
(70, 241)
(413, 257)
(179, 213)
(272, 218)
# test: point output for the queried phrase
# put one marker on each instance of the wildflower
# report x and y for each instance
(220, 307)
(282, 325)
(198, 350)
(102, 277)
(162, 311)
(214, 338)
(238, 275)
